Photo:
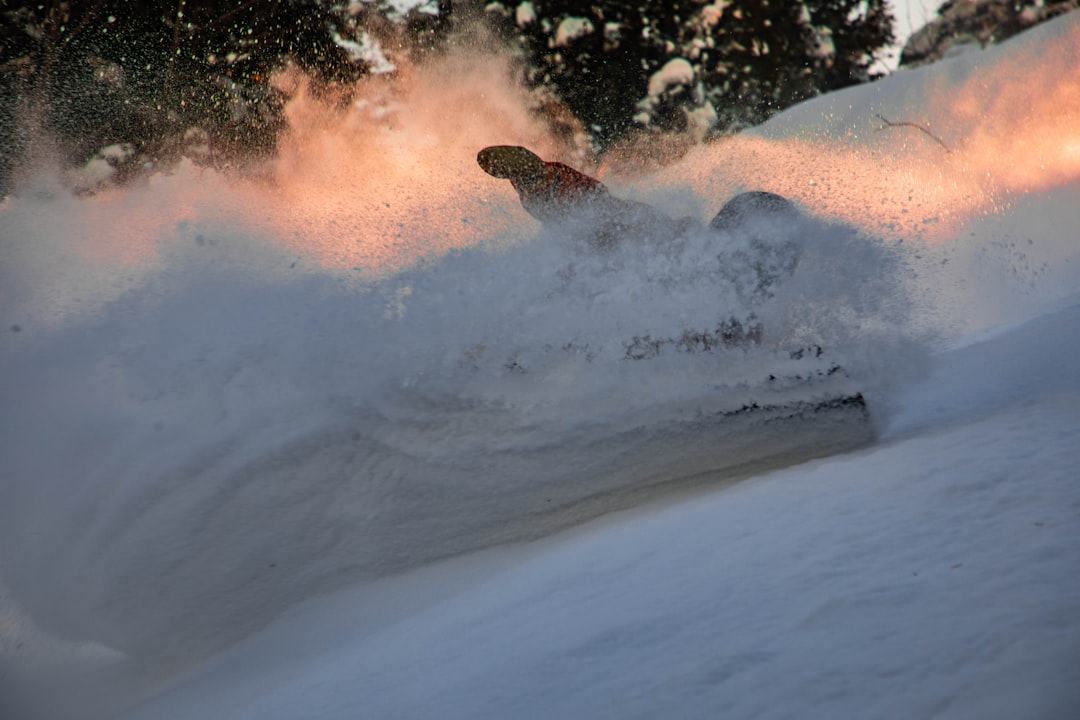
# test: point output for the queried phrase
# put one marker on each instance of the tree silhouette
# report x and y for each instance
(692, 64)
(162, 79)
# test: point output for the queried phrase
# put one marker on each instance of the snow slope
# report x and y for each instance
(934, 575)
(216, 453)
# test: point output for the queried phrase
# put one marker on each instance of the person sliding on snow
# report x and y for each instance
(552, 192)
(548, 190)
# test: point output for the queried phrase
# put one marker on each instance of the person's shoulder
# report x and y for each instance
(574, 180)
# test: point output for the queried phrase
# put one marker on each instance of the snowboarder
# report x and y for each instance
(548, 190)
(553, 191)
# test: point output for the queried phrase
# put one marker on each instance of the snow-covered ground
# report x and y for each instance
(934, 575)
(239, 483)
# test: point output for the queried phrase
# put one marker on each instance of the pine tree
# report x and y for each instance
(981, 22)
(165, 78)
(163, 75)
(698, 65)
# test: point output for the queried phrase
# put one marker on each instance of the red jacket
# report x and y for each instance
(559, 190)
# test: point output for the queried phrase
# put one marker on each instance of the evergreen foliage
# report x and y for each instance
(981, 22)
(159, 79)
(165, 77)
(693, 64)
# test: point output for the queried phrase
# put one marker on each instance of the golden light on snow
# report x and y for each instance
(367, 186)
(393, 178)
(390, 177)
(1011, 126)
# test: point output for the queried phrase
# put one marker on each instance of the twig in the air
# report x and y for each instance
(932, 136)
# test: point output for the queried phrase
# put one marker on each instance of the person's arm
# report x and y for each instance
(557, 191)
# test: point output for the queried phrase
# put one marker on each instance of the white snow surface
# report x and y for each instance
(676, 71)
(933, 575)
(570, 29)
(231, 493)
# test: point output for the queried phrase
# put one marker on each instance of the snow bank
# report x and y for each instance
(929, 577)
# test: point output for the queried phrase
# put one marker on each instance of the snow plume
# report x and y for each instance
(191, 323)
(366, 182)
(220, 417)
(392, 177)
(939, 160)
(919, 163)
